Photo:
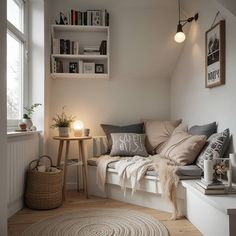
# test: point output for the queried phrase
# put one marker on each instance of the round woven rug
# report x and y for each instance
(99, 222)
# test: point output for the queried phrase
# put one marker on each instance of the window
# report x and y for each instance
(16, 60)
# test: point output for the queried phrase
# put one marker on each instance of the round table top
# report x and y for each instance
(71, 138)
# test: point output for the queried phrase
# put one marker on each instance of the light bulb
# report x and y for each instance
(179, 37)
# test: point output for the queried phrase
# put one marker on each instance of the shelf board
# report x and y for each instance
(80, 56)
(78, 76)
(79, 28)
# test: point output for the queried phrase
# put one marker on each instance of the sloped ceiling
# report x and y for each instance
(230, 5)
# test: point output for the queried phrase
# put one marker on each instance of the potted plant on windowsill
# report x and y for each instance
(63, 123)
(27, 116)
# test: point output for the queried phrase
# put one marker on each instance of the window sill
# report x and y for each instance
(24, 133)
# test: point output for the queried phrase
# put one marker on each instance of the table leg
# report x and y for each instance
(60, 153)
(78, 167)
(85, 167)
(65, 169)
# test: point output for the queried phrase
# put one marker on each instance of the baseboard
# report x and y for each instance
(14, 207)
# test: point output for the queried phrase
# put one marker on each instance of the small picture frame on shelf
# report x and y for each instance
(89, 67)
(99, 69)
(73, 67)
(221, 166)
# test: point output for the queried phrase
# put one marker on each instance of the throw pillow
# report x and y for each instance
(206, 130)
(182, 147)
(216, 147)
(108, 129)
(128, 144)
(157, 134)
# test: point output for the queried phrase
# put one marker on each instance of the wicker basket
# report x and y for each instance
(44, 189)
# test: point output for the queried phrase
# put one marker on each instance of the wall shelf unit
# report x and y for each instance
(86, 37)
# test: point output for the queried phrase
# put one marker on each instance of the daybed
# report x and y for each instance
(190, 202)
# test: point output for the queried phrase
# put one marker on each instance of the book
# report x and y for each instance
(212, 186)
(55, 46)
(103, 47)
(210, 191)
(81, 66)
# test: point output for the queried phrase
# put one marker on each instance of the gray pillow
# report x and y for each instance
(128, 144)
(108, 129)
(206, 130)
(216, 146)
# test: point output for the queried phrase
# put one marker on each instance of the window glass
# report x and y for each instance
(15, 13)
(14, 78)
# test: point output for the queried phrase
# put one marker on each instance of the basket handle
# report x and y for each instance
(48, 157)
(37, 164)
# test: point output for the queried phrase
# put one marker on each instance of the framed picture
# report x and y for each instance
(215, 55)
(89, 67)
(221, 166)
(99, 68)
(73, 67)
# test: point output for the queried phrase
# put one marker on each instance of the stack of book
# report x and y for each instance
(92, 50)
(212, 188)
(89, 17)
(62, 46)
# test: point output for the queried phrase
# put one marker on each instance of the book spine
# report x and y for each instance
(85, 18)
(76, 17)
(61, 46)
(103, 17)
(71, 17)
(81, 66)
(107, 19)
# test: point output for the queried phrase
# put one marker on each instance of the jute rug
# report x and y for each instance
(99, 222)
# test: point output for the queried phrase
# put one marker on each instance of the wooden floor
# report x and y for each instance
(75, 201)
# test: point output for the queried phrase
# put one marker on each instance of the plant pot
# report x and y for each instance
(64, 131)
(28, 123)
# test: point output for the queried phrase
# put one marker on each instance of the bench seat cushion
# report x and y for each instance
(184, 172)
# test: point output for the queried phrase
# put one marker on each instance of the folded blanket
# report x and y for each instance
(132, 169)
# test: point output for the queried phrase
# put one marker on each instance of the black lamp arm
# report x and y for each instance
(190, 19)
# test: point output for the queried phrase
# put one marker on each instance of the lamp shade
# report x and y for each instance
(78, 128)
(179, 36)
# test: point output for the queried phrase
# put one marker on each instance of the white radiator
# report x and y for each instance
(21, 150)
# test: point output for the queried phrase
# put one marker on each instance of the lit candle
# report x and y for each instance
(78, 128)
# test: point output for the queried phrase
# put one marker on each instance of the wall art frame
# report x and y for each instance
(215, 55)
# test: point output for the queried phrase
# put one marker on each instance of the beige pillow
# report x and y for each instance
(183, 147)
(157, 134)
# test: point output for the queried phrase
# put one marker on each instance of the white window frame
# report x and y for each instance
(22, 37)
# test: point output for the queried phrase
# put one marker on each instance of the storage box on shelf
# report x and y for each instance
(71, 61)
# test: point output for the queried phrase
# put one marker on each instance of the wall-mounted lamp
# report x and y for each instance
(180, 36)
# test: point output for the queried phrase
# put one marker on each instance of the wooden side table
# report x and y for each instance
(80, 141)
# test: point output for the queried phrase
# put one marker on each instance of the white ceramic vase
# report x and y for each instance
(64, 131)
(28, 123)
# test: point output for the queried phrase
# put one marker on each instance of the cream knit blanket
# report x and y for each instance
(132, 169)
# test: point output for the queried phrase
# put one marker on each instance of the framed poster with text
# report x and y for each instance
(215, 55)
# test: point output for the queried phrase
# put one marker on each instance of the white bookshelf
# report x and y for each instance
(86, 36)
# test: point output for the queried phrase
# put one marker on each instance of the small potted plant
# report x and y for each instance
(63, 123)
(27, 116)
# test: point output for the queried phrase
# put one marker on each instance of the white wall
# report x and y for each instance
(143, 56)
(189, 97)
(3, 158)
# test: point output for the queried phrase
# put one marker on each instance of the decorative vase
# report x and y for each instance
(28, 123)
(64, 131)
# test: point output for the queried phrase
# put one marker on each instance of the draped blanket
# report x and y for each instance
(132, 169)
